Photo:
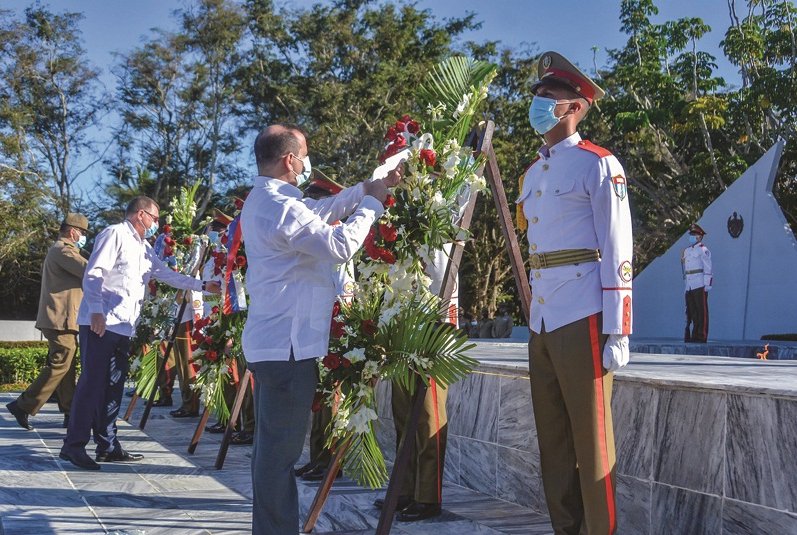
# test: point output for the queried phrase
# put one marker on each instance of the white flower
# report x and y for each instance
(370, 370)
(388, 314)
(463, 105)
(359, 422)
(355, 355)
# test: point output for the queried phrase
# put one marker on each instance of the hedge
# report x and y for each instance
(21, 364)
(37, 344)
(781, 337)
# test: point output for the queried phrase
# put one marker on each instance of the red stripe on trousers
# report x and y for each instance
(597, 362)
(705, 315)
(433, 386)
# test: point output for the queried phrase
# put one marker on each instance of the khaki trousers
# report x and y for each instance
(180, 361)
(58, 375)
(423, 480)
(571, 394)
(246, 420)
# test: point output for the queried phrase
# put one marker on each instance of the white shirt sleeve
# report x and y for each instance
(306, 232)
(338, 206)
(164, 273)
(102, 261)
(708, 275)
(612, 219)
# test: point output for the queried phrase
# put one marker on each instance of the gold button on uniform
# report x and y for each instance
(541, 301)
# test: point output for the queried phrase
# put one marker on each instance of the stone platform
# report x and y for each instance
(725, 348)
(705, 445)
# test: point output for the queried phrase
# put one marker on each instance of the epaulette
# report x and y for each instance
(600, 152)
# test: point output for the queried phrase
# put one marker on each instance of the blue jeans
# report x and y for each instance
(98, 395)
(283, 400)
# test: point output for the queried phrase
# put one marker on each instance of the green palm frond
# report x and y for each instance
(364, 462)
(420, 341)
(147, 375)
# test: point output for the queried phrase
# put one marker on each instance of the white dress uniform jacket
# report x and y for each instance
(292, 253)
(117, 276)
(575, 197)
(696, 262)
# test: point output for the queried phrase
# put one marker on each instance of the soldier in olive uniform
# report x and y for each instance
(61, 292)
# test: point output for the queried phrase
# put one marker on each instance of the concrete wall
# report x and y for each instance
(24, 331)
(755, 275)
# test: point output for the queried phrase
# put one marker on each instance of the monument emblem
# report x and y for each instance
(735, 225)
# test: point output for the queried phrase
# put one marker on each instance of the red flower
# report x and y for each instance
(168, 240)
(391, 133)
(194, 347)
(413, 127)
(209, 340)
(369, 327)
(389, 201)
(336, 309)
(188, 240)
(240, 261)
(167, 229)
(405, 118)
(400, 126)
(331, 361)
(212, 355)
(387, 256)
(346, 363)
(153, 288)
(168, 251)
(223, 239)
(338, 329)
(319, 397)
(389, 232)
(428, 157)
(239, 204)
(214, 310)
(400, 142)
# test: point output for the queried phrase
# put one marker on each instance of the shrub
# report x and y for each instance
(36, 343)
(780, 337)
(21, 364)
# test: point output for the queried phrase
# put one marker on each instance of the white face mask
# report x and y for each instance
(81, 242)
(304, 176)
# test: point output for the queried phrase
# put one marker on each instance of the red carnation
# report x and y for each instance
(212, 355)
(389, 232)
(369, 327)
(338, 329)
(336, 309)
(240, 261)
(428, 157)
(208, 340)
(214, 310)
(391, 133)
(188, 240)
(405, 118)
(194, 347)
(168, 240)
(223, 239)
(387, 256)
(389, 201)
(168, 251)
(331, 361)
(400, 142)
(239, 204)
(400, 126)
(346, 363)
(167, 229)
(413, 127)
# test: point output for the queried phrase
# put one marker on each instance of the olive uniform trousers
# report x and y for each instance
(246, 420)
(58, 375)
(423, 480)
(180, 361)
(571, 393)
(319, 453)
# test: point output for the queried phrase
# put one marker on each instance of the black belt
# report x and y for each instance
(565, 257)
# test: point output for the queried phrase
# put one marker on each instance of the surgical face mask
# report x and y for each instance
(304, 176)
(213, 236)
(151, 230)
(692, 239)
(541, 113)
(81, 242)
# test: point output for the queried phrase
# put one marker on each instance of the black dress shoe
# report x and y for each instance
(65, 424)
(216, 428)
(20, 415)
(402, 503)
(79, 459)
(318, 473)
(419, 511)
(299, 472)
(163, 402)
(118, 456)
(242, 438)
(183, 413)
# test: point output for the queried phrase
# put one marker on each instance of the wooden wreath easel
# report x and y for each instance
(481, 142)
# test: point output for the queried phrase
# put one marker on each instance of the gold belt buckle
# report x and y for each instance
(535, 260)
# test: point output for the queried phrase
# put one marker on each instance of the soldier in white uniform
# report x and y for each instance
(696, 267)
(575, 200)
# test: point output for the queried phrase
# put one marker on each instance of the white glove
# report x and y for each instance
(615, 352)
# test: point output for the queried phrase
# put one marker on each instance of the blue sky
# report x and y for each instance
(571, 27)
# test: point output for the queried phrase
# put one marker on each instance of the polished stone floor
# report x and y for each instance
(174, 493)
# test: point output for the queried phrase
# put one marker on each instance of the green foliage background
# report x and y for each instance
(192, 100)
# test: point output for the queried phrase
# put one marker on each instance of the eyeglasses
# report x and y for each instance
(154, 217)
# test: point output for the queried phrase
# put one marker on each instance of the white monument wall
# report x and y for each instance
(755, 274)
